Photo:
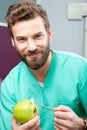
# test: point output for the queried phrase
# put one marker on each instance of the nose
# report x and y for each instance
(31, 45)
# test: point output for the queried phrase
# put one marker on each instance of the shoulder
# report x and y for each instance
(69, 56)
(70, 61)
(13, 77)
(16, 71)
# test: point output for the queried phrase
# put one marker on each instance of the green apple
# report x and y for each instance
(25, 110)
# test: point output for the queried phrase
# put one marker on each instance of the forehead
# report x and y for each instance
(29, 27)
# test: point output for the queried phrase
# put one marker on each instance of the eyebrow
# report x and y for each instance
(19, 37)
(37, 33)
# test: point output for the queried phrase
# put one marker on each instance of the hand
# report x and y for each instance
(66, 119)
(30, 125)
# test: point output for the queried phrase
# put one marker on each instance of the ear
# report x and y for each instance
(12, 42)
(50, 34)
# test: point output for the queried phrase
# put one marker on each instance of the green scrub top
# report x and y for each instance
(65, 84)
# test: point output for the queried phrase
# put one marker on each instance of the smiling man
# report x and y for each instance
(32, 42)
(52, 78)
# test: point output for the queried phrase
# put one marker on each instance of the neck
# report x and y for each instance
(40, 74)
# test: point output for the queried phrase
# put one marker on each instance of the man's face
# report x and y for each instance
(31, 41)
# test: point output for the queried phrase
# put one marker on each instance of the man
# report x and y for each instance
(53, 78)
(0, 82)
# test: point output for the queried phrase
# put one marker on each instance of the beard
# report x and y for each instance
(35, 62)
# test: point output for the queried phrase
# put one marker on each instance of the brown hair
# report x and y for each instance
(25, 10)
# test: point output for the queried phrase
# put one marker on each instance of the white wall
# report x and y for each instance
(67, 35)
(3, 9)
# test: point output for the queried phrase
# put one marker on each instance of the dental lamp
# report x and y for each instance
(78, 11)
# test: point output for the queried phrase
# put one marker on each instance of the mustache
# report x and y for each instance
(32, 52)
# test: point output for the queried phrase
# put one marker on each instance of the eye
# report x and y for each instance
(21, 39)
(38, 36)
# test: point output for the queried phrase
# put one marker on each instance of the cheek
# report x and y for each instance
(45, 43)
(20, 47)
(42, 43)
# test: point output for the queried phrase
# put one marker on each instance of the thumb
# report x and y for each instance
(63, 108)
(14, 123)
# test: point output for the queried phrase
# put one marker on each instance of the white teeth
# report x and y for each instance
(32, 100)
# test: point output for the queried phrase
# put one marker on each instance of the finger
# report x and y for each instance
(35, 128)
(14, 123)
(32, 123)
(56, 128)
(60, 123)
(38, 129)
(64, 115)
(62, 108)
(59, 127)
